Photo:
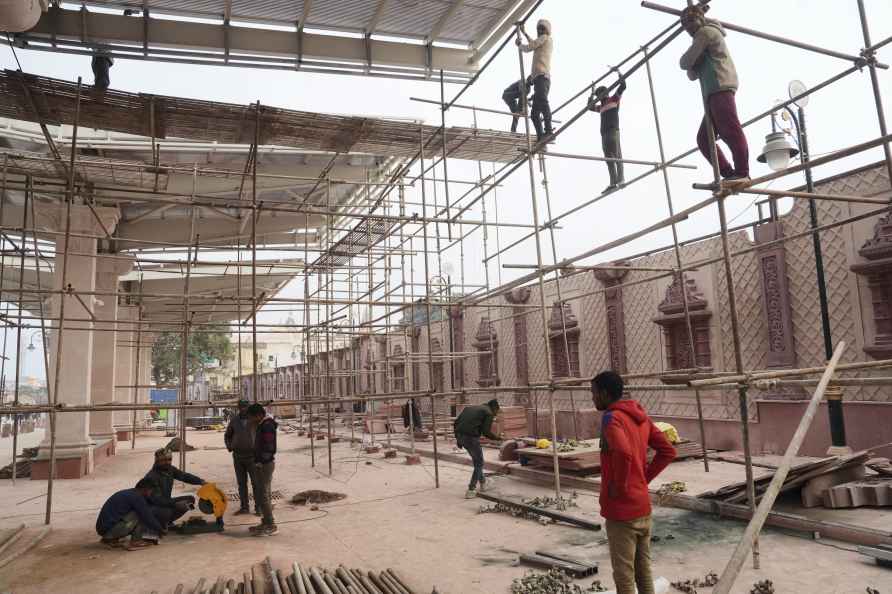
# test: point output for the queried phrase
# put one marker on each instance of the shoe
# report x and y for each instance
(242, 512)
(482, 488)
(258, 513)
(139, 544)
(267, 530)
(736, 179)
(471, 494)
(257, 528)
(609, 189)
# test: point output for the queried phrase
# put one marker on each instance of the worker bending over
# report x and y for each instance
(608, 107)
(708, 61)
(127, 513)
(239, 440)
(167, 508)
(471, 424)
(513, 95)
(626, 434)
(264, 465)
(542, 48)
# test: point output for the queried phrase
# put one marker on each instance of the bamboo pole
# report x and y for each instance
(732, 569)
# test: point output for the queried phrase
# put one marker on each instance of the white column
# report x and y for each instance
(108, 270)
(125, 355)
(74, 448)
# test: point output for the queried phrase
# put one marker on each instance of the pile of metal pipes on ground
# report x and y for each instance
(264, 579)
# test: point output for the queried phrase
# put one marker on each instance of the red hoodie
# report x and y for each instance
(626, 433)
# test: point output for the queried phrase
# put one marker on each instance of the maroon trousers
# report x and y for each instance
(723, 111)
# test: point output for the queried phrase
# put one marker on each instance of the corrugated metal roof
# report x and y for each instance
(471, 20)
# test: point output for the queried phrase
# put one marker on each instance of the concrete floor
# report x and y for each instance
(392, 517)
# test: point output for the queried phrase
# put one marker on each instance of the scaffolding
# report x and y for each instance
(359, 277)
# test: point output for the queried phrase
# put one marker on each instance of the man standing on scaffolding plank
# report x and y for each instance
(542, 48)
(708, 61)
(512, 97)
(101, 63)
(608, 107)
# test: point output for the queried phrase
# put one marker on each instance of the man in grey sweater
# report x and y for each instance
(239, 440)
(542, 48)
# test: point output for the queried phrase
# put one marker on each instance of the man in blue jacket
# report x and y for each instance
(127, 513)
(167, 508)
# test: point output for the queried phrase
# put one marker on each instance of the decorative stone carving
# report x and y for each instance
(520, 296)
(613, 304)
(878, 272)
(675, 331)
(563, 334)
(776, 296)
(457, 327)
(487, 342)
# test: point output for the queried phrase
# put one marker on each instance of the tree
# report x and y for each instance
(206, 345)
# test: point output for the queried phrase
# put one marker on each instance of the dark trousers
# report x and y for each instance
(100, 65)
(541, 112)
(168, 515)
(512, 100)
(129, 524)
(611, 146)
(264, 489)
(472, 444)
(723, 111)
(244, 469)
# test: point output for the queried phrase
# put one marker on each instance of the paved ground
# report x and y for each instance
(392, 517)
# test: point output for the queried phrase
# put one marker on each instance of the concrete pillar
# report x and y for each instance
(125, 355)
(108, 270)
(74, 447)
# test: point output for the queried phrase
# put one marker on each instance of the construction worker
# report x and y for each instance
(127, 513)
(470, 425)
(264, 465)
(608, 107)
(708, 61)
(239, 440)
(101, 63)
(167, 508)
(512, 97)
(412, 416)
(542, 48)
(626, 434)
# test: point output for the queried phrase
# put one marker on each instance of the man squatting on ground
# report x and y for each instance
(472, 423)
(512, 97)
(708, 61)
(608, 107)
(626, 433)
(264, 465)
(542, 48)
(239, 440)
(166, 508)
(127, 513)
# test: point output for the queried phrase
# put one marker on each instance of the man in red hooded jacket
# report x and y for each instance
(626, 434)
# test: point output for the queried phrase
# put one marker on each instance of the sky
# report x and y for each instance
(589, 37)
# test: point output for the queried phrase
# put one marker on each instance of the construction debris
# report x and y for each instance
(881, 466)
(539, 502)
(314, 496)
(873, 491)
(798, 476)
(544, 516)
(552, 582)
(690, 586)
(881, 553)
(763, 587)
(174, 445)
(667, 489)
(22, 467)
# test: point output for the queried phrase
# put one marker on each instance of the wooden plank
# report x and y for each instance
(554, 515)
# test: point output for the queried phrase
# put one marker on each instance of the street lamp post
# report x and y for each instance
(777, 153)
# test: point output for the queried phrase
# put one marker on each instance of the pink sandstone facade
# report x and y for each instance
(641, 328)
